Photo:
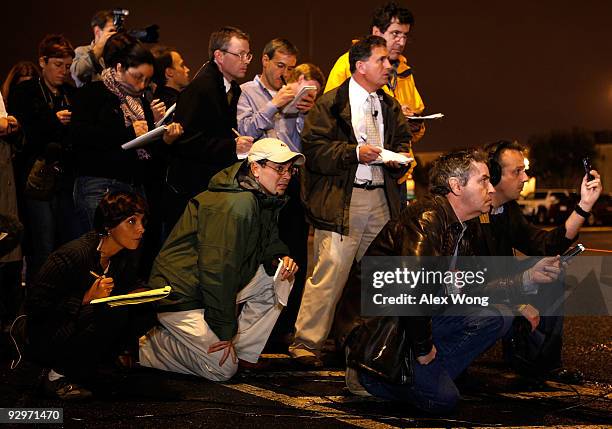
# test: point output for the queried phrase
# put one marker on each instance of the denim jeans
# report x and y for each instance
(88, 192)
(458, 340)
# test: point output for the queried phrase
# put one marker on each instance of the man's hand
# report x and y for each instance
(140, 127)
(407, 111)
(159, 109)
(289, 269)
(283, 96)
(426, 360)
(243, 144)
(228, 348)
(64, 116)
(173, 132)
(8, 125)
(368, 153)
(530, 313)
(307, 102)
(100, 288)
(547, 270)
(98, 47)
(590, 191)
(396, 164)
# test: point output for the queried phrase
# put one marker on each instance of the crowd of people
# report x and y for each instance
(227, 194)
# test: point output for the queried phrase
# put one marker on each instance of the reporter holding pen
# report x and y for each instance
(109, 113)
(68, 335)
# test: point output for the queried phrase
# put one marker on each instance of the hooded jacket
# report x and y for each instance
(216, 247)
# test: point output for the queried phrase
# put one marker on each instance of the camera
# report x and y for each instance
(149, 34)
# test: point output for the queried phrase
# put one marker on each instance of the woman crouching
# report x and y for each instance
(69, 335)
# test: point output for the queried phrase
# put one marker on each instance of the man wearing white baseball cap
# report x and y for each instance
(223, 253)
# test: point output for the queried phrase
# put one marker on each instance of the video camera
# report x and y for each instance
(149, 34)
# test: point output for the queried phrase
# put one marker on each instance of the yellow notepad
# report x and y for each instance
(135, 298)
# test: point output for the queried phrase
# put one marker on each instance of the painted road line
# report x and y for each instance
(309, 404)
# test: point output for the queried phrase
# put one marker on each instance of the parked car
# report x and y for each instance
(538, 204)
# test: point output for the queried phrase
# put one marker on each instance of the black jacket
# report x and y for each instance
(427, 227)
(330, 147)
(498, 235)
(97, 132)
(35, 107)
(208, 144)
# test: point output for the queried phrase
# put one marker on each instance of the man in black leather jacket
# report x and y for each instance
(443, 346)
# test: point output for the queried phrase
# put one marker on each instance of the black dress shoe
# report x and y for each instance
(565, 375)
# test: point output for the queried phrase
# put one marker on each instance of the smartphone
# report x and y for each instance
(587, 168)
(570, 253)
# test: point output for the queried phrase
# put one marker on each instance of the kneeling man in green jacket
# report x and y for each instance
(220, 257)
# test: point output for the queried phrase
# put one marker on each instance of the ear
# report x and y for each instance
(41, 62)
(455, 185)
(376, 31)
(360, 67)
(97, 31)
(255, 169)
(265, 59)
(218, 56)
(169, 73)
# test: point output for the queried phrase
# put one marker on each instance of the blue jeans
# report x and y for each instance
(88, 192)
(458, 340)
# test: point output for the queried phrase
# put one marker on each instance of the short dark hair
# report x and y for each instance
(117, 206)
(163, 60)
(494, 150)
(55, 46)
(454, 164)
(283, 46)
(310, 72)
(220, 39)
(101, 17)
(362, 49)
(384, 15)
(121, 48)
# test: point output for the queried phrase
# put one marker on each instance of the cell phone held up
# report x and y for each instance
(571, 253)
(586, 162)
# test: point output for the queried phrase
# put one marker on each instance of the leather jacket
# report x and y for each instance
(428, 227)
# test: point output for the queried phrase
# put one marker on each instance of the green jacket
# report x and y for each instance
(330, 148)
(217, 246)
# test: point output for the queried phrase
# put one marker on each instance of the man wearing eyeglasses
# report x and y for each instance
(207, 111)
(260, 114)
(393, 23)
(349, 194)
(222, 254)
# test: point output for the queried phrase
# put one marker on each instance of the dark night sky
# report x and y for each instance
(496, 69)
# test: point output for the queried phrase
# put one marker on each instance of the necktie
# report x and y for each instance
(230, 95)
(373, 138)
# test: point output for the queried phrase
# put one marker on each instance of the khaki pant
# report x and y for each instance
(333, 257)
(181, 344)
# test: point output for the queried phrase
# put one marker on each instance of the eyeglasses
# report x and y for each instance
(245, 57)
(399, 35)
(139, 77)
(282, 170)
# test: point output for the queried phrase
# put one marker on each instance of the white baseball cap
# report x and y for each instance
(274, 150)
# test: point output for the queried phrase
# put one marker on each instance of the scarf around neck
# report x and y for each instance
(130, 102)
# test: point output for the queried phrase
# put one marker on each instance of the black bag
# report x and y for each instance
(379, 347)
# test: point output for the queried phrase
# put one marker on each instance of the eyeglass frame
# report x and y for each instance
(293, 169)
(398, 35)
(245, 57)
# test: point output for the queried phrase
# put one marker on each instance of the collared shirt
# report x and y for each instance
(360, 107)
(258, 117)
